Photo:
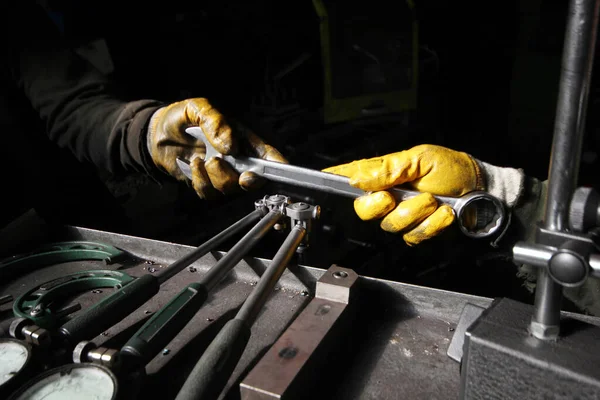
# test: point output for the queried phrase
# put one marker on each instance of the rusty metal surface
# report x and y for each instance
(398, 341)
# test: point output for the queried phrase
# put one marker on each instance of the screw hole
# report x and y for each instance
(340, 274)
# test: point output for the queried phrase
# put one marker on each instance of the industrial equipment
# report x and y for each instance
(96, 314)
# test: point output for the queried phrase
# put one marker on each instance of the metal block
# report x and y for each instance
(283, 371)
(469, 314)
(503, 361)
(336, 284)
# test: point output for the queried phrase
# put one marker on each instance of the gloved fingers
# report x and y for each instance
(256, 146)
(374, 205)
(200, 180)
(380, 173)
(249, 180)
(346, 170)
(199, 112)
(222, 175)
(431, 226)
(409, 213)
(263, 150)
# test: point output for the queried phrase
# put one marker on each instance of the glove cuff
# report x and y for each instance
(150, 130)
(150, 166)
(507, 184)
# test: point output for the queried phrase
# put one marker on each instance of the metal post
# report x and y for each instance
(209, 245)
(577, 61)
(237, 252)
(254, 303)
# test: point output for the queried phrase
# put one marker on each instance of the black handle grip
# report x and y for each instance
(112, 309)
(210, 375)
(159, 330)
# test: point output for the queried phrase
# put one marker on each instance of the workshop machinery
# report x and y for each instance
(400, 332)
(232, 326)
(41, 309)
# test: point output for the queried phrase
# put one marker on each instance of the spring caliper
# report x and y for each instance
(33, 310)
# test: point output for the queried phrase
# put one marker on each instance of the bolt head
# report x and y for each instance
(544, 332)
(36, 310)
(300, 206)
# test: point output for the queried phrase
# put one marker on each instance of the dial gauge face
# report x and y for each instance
(14, 355)
(78, 381)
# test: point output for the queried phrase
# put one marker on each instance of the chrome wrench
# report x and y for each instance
(479, 214)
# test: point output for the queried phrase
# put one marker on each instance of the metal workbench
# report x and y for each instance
(396, 347)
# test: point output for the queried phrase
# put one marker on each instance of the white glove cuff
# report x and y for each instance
(507, 184)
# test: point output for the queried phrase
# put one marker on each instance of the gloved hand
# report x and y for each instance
(426, 168)
(168, 140)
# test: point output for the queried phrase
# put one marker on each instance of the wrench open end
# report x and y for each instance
(184, 167)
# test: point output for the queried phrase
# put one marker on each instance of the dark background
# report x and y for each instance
(488, 80)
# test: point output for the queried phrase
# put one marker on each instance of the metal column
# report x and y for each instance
(577, 61)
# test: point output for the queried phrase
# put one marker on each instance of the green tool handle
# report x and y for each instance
(110, 310)
(120, 304)
(169, 320)
(163, 326)
(211, 373)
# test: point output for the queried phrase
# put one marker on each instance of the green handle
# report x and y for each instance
(210, 375)
(163, 326)
(112, 309)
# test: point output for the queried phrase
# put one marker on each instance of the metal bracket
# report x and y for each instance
(298, 213)
(567, 257)
(283, 370)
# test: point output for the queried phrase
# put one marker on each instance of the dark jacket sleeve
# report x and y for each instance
(75, 101)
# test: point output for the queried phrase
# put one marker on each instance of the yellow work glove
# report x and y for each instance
(426, 168)
(167, 140)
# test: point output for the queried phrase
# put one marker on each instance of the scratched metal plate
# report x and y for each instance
(397, 344)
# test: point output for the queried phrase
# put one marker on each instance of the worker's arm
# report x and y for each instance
(75, 101)
(82, 112)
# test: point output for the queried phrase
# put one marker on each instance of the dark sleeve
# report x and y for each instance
(75, 101)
